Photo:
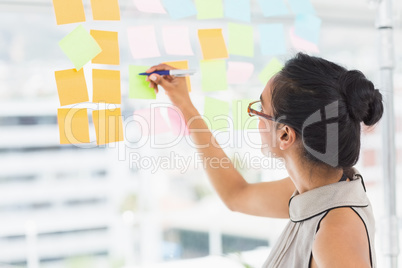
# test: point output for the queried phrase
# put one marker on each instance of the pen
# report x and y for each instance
(176, 72)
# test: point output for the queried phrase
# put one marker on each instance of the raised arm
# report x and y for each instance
(269, 199)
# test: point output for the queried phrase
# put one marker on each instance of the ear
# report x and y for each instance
(286, 137)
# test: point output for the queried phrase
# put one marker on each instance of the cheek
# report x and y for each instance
(265, 132)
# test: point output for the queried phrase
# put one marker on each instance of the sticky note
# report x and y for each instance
(301, 44)
(73, 125)
(271, 8)
(216, 113)
(238, 10)
(105, 9)
(209, 9)
(142, 40)
(308, 27)
(301, 7)
(106, 86)
(181, 65)
(179, 9)
(150, 6)
(177, 122)
(272, 39)
(239, 72)
(108, 126)
(152, 122)
(138, 87)
(109, 43)
(212, 44)
(241, 40)
(68, 11)
(273, 67)
(80, 47)
(241, 118)
(213, 74)
(71, 86)
(177, 40)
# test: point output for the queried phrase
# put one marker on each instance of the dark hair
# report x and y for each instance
(325, 104)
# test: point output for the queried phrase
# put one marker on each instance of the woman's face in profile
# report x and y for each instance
(267, 127)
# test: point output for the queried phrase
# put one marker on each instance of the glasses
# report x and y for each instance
(255, 108)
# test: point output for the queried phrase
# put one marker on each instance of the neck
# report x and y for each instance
(307, 176)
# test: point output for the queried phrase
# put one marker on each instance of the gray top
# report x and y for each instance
(294, 246)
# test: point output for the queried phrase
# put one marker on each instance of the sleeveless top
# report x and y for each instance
(294, 246)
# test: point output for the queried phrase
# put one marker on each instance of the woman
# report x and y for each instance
(310, 115)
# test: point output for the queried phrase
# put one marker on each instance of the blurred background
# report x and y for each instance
(66, 206)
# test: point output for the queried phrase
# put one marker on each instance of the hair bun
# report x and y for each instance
(364, 102)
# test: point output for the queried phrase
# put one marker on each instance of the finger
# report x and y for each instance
(152, 85)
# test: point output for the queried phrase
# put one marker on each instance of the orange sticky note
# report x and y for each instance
(212, 44)
(71, 86)
(106, 86)
(183, 64)
(109, 43)
(108, 126)
(73, 125)
(105, 9)
(70, 11)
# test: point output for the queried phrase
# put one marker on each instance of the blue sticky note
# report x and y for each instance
(272, 8)
(238, 10)
(272, 39)
(308, 27)
(301, 7)
(179, 9)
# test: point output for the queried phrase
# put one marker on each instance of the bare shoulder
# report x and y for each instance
(341, 240)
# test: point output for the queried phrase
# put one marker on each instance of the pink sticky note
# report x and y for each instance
(177, 40)
(177, 122)
(142, 40)
(151, 122)
(239, 72)
(301, 44)
(150, 6)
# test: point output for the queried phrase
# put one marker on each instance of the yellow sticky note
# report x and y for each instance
(109, 43)
(106, 86)
(71, 86)
(105, 9)
(108, 126)
(183, 64)
(73, 126)
(212, 44)
(70, 11)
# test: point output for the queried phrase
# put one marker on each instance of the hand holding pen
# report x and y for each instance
(173, 81)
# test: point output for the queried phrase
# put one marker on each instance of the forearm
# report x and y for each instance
(226, 180)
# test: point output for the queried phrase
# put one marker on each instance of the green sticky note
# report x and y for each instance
(209, 9)
(217, 113)
(138, 87)
(241, 40)
(241, 118)
(273, 67)
(213, 74)
(80, 47)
